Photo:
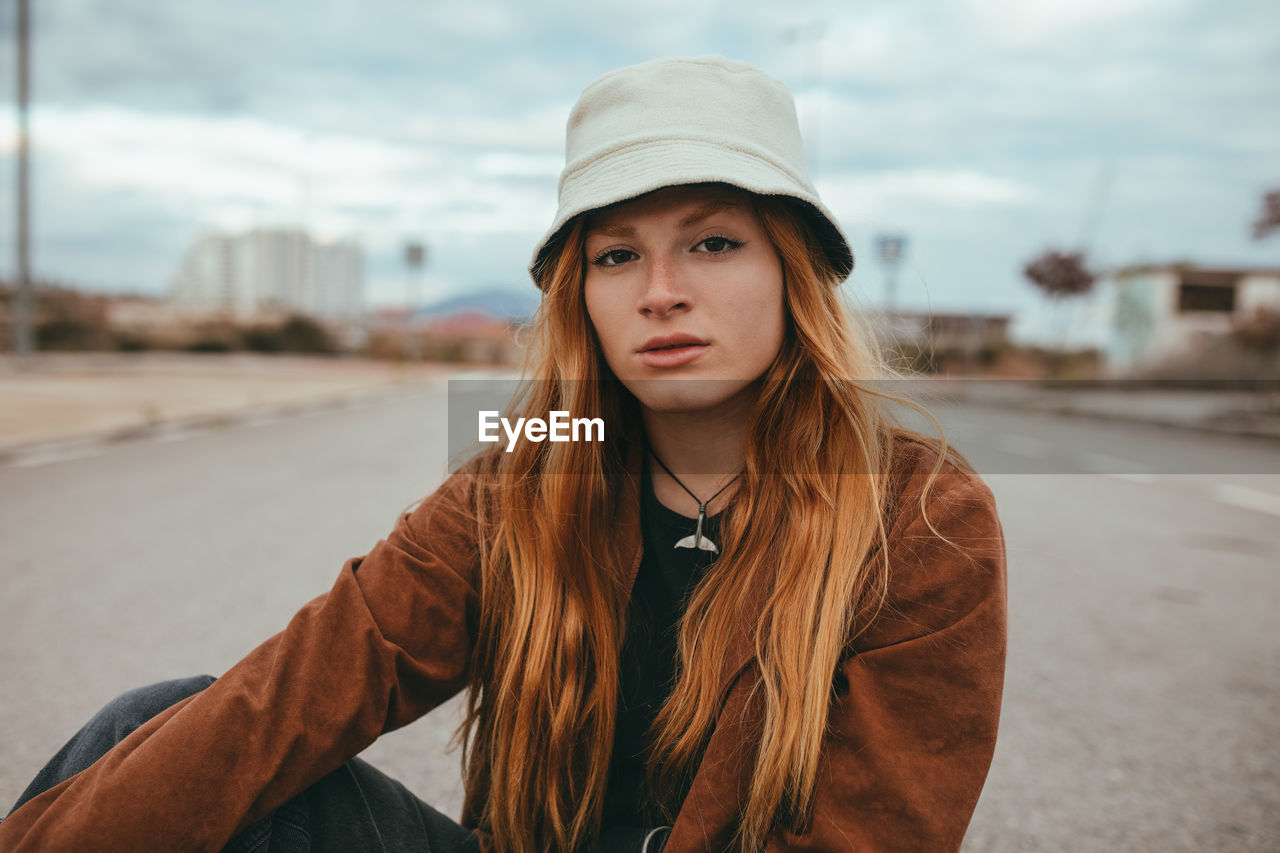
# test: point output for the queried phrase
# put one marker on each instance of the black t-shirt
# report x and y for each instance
(666, 577)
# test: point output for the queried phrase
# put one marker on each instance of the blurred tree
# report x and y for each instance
(1269, 219)
(66, 319)
(1257, 345)
(302, 334)
(1060, 274)
(261, 338)
(1259, 332)
(297, 333)
(214, 335)
(68, 333)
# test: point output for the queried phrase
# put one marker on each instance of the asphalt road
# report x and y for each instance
(1144, 662)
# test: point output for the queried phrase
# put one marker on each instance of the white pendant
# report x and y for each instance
(697, 540)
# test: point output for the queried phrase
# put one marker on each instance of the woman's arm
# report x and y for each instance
(913, 723)
(387, 643)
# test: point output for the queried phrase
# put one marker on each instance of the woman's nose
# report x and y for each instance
(664, 289)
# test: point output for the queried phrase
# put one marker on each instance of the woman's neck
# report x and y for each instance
(704, 449)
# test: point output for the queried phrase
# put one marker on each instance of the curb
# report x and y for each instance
(74, 445)
(1234, 423)
(1267, 431)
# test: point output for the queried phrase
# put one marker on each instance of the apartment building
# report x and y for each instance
(268, 272)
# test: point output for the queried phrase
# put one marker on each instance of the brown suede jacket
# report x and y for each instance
(909, 745)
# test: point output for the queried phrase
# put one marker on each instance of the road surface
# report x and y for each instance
(1144, 568)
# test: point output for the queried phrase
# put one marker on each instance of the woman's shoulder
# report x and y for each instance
(921, 463)
(446, 521)
(946, 552)
(459, 493)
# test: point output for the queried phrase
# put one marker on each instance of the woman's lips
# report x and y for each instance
(672, 356)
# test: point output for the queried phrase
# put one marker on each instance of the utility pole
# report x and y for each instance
(415, 257)
(22, 289)
(891, 248)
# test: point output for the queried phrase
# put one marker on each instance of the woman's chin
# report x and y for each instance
(686, 396)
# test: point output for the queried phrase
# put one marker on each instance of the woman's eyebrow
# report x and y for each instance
(708, 209)
(615, 230)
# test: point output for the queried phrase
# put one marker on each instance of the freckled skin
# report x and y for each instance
(651, 271)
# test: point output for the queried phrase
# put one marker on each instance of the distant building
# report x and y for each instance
(934, 342)
(965, 335)
(270, 272)
(140, 313)
(465, 335)
(1161, 311)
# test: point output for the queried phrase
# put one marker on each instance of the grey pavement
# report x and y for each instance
(58, 403)
(62, 402)
(1144, 665)
(1254, 413)
(177, 553)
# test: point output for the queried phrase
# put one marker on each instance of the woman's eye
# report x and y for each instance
(613, 257)
(718, 245)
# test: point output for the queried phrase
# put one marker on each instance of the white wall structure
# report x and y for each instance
(1161, 311)
(271, 271)
(205, 281)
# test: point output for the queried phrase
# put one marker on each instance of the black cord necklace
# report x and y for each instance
(697, 540)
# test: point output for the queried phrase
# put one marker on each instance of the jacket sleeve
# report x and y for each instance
(917, 705)
(387, 643)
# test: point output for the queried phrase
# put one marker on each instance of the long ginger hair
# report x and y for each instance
(807, 523)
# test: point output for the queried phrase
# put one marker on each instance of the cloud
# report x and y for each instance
(1039, 23)
(218, 161)
(977, 126)
(897, 194)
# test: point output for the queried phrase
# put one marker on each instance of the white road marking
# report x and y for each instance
(55, 454)
(1253, 499)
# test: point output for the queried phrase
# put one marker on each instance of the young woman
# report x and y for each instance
(759, 615)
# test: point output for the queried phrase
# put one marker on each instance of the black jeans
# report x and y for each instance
(355, 808)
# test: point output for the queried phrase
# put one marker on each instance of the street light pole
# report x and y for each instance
(22, 290)
(415, 257)
(891, 249)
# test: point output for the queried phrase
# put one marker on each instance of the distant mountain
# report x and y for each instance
(500, 302)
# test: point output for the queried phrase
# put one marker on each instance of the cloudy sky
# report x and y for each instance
(983, 130)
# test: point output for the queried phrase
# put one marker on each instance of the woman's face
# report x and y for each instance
(684, 284)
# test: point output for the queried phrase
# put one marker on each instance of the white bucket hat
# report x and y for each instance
(676, 121)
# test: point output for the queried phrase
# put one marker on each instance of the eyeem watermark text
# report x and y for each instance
(559, 427)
